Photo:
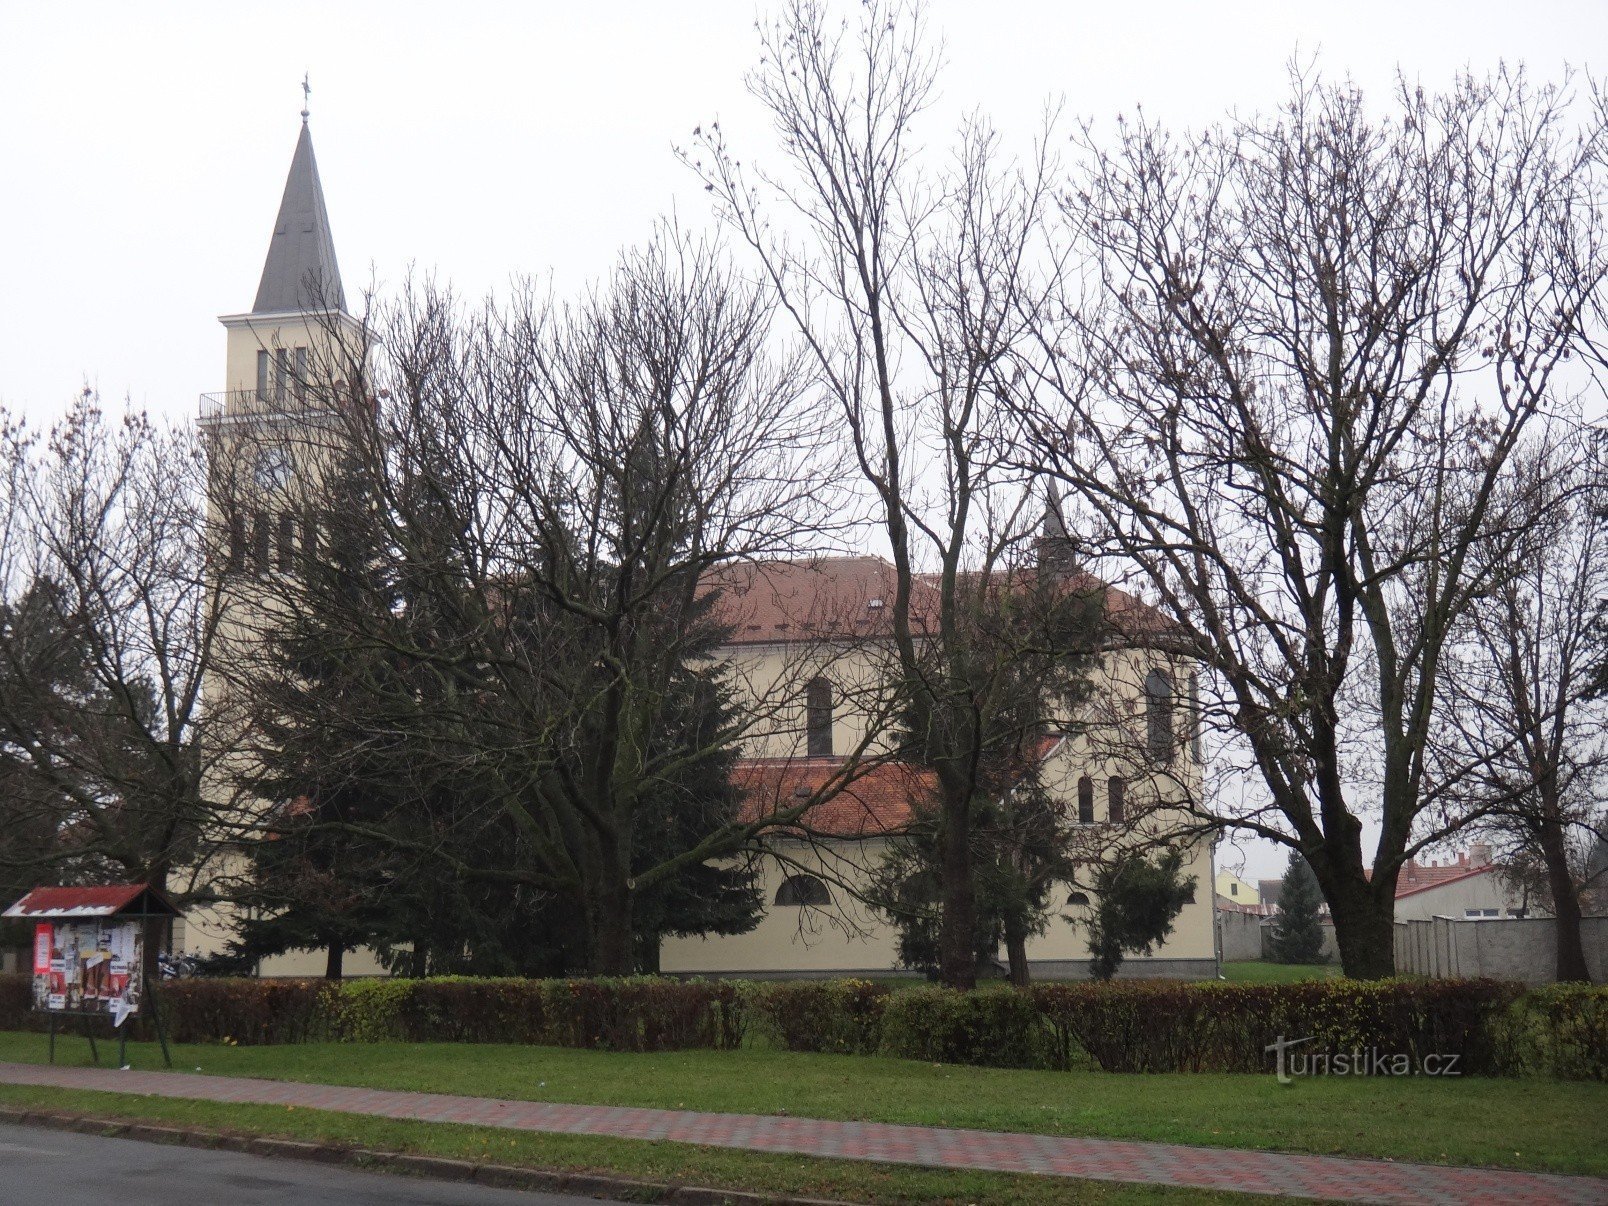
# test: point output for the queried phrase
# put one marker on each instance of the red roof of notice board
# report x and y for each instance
(109, 900)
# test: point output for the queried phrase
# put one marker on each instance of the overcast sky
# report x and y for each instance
(144, 147)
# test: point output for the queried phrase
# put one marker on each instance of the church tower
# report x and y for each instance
(293, 362)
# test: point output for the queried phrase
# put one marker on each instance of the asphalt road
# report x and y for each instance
(62, 1168)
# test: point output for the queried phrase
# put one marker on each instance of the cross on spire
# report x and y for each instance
(307, 92)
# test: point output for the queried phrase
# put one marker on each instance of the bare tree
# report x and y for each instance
(1520, 734)
(1285, 393)
(914, 289)
(107, 627)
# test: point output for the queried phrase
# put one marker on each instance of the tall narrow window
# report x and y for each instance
(309, 541)
(299, 386)
(287, 543)
(260, 540)
(262, 374)
(1085, 801)
(237, 541)
(818, 718)
(1159, 715)
(1195, 718)
(1115, 802)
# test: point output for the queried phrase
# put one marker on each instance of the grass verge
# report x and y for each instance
(1535, 1124)
(1254, 972)
(675, 1163)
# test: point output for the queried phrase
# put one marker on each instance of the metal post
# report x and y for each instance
(156, 1016)
(52, 1038)
(89, 1033)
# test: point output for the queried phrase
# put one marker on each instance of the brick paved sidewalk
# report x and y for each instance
(1095, 1159)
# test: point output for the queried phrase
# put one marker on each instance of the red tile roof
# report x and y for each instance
(783, 601)
(880, 801)
(877, 801)
(849, 597)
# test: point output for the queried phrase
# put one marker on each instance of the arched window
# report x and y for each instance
(1085, 801)
(1078, 898)
(1115, 803)
(803, 890)
(818, 718)
(1159, 715)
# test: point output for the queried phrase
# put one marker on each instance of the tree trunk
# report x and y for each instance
(1364, 929)
(1016, 951)
(417, 964)
(332, 964)
(648, 954)
(957, 946)
(612, 941)
(1571, 951)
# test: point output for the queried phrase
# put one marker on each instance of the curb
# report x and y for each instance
(440, 1168)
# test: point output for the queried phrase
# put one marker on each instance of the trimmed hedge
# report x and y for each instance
(843, 1016)
(1152, 1026)
(991, 1027)
(636, 1014)
(1125, 1026)
(1560, 1030)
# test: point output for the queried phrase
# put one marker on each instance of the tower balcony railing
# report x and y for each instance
(242, 404)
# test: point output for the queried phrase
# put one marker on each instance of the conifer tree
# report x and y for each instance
(1138, 900)
(1298, 933)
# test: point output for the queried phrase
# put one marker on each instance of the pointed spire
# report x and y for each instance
(1054, 527)
(300, 273)
(1057, 551)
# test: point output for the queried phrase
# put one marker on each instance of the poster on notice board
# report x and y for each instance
(88, 967)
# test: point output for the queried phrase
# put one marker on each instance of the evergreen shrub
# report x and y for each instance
(990, 1027)
(1560, 1030)
(843, 1016)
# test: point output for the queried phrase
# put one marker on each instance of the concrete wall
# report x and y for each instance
(1240, 935)
(1500, 948)
(1247, 936)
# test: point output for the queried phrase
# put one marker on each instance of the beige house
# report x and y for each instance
(1235, 890)
(1465, 887)
(808, 653)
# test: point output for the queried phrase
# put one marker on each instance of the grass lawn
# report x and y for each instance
(1278, 973)
(676, 1163)
(1532, 1124)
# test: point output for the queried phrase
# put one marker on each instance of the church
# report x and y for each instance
(1115, 771)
